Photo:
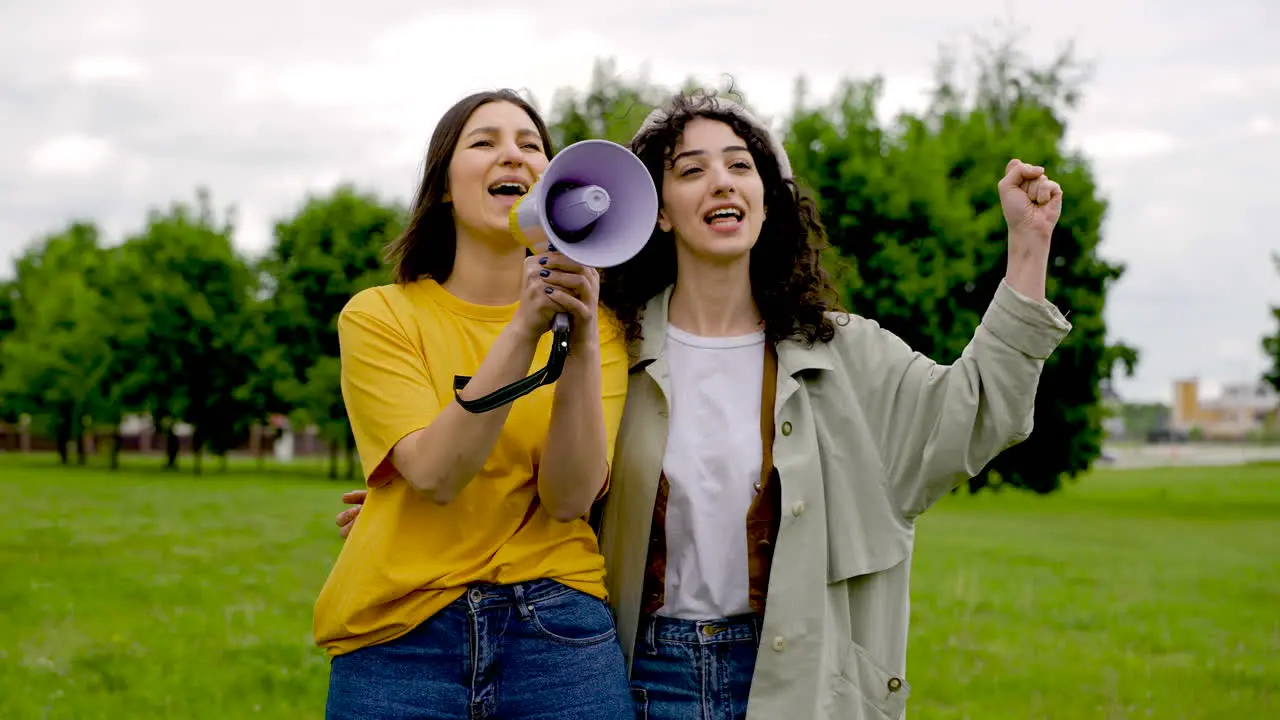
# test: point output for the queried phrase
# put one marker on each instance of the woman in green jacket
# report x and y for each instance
(773, 449)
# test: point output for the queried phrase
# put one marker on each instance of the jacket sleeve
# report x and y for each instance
(939, 425)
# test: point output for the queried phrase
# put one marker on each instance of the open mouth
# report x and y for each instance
(723, 216)
(513, 189)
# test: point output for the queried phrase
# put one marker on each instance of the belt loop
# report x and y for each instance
(651, 633)
(522, 606)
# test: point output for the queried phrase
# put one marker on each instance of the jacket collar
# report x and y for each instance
(794, 357)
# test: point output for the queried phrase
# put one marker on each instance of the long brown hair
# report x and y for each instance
(428, 245)
(789, 285)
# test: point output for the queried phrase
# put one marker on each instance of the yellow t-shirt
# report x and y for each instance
(407, 557)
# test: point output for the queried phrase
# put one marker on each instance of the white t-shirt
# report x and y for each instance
(712, 464)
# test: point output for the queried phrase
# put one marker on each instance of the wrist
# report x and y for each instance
(521, 334)
(584, 356)
(1029, 245)
(1030, 256)
(585, 334)
(1027, 272)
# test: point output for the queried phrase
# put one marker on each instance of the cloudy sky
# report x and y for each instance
(108, 107)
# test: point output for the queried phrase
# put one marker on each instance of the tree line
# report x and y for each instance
(177, 323)
(1271, 343)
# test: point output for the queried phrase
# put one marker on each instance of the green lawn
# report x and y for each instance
(1136, 594)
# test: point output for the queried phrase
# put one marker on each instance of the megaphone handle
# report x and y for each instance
(560, 324)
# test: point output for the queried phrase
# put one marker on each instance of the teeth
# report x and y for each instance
(520, 188)
(724, 213)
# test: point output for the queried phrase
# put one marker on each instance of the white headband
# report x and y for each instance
(728, 107)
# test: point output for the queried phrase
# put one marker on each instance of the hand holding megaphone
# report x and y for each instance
(556, 285)
(595, 205)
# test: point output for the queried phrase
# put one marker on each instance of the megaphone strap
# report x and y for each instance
(522, 387)
(501, 396)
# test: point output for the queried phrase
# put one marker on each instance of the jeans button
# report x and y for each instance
(476, 595)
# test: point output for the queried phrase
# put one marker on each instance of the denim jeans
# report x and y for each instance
(694, 669)
(530, 651)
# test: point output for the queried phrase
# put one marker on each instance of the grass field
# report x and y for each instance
(1148, 593)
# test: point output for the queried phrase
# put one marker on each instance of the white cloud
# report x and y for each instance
(1228, 83)
(1262, 125)
(69, 155)
(97, 69)
(1236, 350)
(1242, 81)
(1128, 144)
(403, 67)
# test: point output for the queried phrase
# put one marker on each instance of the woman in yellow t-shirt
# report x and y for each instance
(477, 587)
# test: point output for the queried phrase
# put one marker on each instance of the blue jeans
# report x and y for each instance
(694, 670)
(530, 651)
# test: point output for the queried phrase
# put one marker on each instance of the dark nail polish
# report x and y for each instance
(542, 261)
(544, 273)
(550, 289)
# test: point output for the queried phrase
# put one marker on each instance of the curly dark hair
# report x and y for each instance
(791, 289)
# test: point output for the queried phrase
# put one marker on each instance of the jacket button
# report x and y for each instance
(798, 509)
(895, 684)
(786, 428)
(779, 643)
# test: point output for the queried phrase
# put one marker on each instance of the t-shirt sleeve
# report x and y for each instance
(613, 384)
(386, 386)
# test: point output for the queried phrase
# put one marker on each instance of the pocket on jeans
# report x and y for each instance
(573, 618)
(640, 697)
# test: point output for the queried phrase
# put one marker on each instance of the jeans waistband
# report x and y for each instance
(739, 628)
(481, 595)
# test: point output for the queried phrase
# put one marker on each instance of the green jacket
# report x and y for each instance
(869, 435)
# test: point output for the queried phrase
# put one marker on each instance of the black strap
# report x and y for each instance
(520, 388)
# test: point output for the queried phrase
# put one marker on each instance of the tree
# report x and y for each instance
(8, 298)
(914, 216)
(609, 109)
(57, 354)
(189, 303)
(328, 251)
(1142, 419)
(118, 381)
(612, 108)
(1271, 343)
(260, 396)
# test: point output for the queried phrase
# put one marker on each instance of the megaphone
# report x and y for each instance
(595, 204)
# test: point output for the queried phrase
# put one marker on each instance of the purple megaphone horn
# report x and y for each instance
(595, 203)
